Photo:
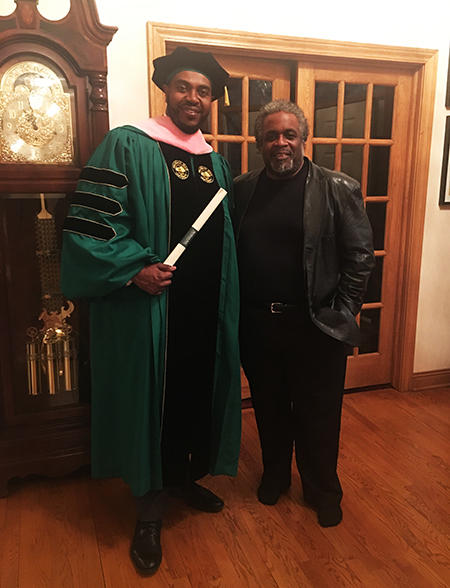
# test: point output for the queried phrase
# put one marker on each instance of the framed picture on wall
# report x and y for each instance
(447, 96)
(444, 193)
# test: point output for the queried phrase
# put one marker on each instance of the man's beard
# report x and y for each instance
(286, 168)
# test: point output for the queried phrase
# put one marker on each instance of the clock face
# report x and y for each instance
(35, 119)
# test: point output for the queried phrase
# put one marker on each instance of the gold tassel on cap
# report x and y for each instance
(226, 98)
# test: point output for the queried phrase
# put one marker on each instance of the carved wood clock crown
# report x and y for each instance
(53, 94)
(53, 114)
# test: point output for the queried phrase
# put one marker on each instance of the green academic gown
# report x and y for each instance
(118, 223)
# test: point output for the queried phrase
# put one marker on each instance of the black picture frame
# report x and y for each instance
(444, 192)
(447, 96)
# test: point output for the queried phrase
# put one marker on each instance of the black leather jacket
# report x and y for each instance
(338, 248)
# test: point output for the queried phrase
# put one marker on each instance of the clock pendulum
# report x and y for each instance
(52, 349)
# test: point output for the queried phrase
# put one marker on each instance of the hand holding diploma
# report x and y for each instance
(154, 278)
(195, 228)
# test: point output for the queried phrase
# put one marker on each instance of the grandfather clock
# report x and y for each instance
(53, 114)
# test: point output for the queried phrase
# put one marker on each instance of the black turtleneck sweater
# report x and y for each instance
(270, 248)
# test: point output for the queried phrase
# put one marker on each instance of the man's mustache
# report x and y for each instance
(283, 151)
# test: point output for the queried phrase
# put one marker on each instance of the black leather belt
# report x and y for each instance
(273, 307)
(280, 307)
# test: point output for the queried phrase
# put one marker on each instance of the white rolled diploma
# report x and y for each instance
(195, 228)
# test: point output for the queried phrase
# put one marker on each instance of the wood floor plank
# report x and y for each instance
(326, 564)
(415, 499)
(377, 578)
(231, 540)
(423, 544)
(276, 545)
(10, 523)
(75, 532)
(409, 449)
(386, 459)
(57, 534)
(231, 560)
(195, 546)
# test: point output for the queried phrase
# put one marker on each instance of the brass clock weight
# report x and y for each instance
(51, 353)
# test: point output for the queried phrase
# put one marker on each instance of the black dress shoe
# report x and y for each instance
(268, 495)
(329, 515)
(198, 497)
(145, 549)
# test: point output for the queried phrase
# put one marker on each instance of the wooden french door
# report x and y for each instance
(359, 125)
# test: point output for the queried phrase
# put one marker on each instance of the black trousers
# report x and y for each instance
(152, 506)
(296, 375)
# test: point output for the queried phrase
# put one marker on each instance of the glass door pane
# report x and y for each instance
(325, 109)
(260, 93)
(354, 110)
(230, 115)
(252, 83)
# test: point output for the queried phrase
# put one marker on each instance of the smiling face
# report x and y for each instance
(282, 146)
(188, 97)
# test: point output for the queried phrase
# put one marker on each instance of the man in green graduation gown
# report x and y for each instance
(164, 345)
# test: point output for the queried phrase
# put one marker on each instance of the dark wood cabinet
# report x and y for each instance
(53, 114)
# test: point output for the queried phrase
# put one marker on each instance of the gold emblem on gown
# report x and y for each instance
(206, 174)
(180, 169)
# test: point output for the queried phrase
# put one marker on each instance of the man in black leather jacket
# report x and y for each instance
(305, 255)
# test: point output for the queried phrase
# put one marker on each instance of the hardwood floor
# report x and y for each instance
(395, 471)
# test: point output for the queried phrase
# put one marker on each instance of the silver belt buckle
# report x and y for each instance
(272, 308)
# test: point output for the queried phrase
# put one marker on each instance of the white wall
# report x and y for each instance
(412, 23)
